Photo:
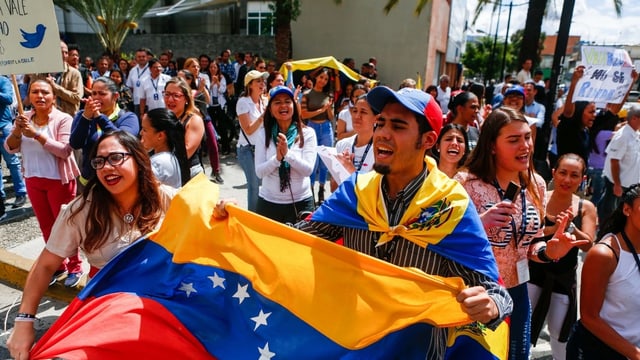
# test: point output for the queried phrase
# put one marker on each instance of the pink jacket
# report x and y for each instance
(60, 126)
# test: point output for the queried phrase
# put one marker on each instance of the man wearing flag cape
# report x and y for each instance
(410, 214)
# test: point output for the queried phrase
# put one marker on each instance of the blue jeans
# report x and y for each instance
(520, 329)
(246, 161)
(13, 162)
(597, 184)
(324, 135)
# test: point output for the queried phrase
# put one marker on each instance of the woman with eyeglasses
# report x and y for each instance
(49, 167)
(179, 99)
(120, 204)
(101, 114)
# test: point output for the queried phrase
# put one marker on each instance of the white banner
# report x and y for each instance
(607, 75)
(29, 38)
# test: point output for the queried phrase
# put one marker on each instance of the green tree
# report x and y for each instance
(110, 19)
(533, 25)
(516, 42)
(536, 11)
(284, 12)
(478, 55)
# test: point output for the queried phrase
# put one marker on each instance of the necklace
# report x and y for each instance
(128, 218)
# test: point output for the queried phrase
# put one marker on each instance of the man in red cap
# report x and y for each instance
(411, 214)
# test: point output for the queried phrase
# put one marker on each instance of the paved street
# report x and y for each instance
(19, 233)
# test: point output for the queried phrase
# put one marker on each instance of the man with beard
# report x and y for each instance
(409, 213)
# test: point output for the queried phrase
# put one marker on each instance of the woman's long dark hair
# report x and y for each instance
(616, 222)
(270, 122)
(99, 224)
(436, 153)
(482, 160)
(601, 123)
(165, 120)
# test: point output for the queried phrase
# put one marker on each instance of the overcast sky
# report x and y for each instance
(593, 20)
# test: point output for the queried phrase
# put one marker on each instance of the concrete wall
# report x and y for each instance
(185, 45)
(360, 29)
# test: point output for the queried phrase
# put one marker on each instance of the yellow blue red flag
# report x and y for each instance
(249, 288)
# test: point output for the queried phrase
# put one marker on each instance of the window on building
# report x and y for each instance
(260, 23)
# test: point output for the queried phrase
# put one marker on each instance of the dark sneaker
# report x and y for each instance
(19, 202)
(73, 279)
(59, 274)
(216, 178)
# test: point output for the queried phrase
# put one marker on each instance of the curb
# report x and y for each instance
(15, 268)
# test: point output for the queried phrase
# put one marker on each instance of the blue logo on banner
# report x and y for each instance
(33, 40)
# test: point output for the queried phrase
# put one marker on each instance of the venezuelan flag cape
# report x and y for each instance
(248, 288)
(442, 218)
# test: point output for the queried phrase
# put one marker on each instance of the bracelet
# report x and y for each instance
(25, 317)
(36, 137)
(542, 255)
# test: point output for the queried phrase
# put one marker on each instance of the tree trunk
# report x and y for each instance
(283, 42)
(532, 29)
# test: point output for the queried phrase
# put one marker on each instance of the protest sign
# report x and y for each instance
(607, 75)
(29, 38)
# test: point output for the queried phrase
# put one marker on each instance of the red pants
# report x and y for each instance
(47, 196)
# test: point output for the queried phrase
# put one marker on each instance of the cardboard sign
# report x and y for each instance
(29, 38)
(607, 75)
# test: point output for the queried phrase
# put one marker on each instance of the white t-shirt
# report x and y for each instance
(345, 116)
(36, 161)
(246, 105)
(135, 79)
(152, 90)
(443, 98)
(359, 151)
(166, 168)
(217, 92)
(301, 160)
(67, 236)
(624, 147)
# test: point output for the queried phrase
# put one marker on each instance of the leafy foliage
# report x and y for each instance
(478, 57)
(110, 19)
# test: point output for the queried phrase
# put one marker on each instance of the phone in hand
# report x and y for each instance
(512, 192)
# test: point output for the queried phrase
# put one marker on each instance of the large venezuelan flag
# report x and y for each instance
(249, 288)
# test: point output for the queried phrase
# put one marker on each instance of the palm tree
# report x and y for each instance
(110, 19)
(533, 24)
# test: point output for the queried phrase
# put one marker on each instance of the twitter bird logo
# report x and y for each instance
(33, 40)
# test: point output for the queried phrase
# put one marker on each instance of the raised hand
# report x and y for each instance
(562, 242)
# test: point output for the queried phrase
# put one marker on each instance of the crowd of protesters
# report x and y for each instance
(107, 129)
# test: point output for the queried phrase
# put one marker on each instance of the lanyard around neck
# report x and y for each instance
(364, 155)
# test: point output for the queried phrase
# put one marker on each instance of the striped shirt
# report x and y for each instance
(404, 253)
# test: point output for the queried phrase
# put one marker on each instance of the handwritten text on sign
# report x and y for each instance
(29, 40)
(607, 75)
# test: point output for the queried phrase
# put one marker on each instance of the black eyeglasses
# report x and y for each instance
(114, 159)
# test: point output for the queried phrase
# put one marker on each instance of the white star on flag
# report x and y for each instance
(241, 293)
(265, 354)
(261, 319)
(188, 288)
(217, 280)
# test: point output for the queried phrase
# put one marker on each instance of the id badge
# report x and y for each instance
(138, 83)
(522, 267)
(155, 97)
